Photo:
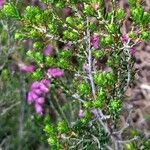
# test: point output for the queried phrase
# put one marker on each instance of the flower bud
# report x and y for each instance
(125, 38)
(48, 50)
(132, 51)
(55, 72)
(40, 100)
(67, 11)
(39, 109)
(26, 68)
(81, 113)
(80, 6)
(95, 41)
(96, 6)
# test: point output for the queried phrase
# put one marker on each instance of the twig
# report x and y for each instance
(126, 124)
(97, 141)
(109, 148)
(90, 59)
(90, 69)
(128, 141)
(22, 111)
(9, 108)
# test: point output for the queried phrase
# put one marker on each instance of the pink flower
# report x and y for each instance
(26, 68)
(55, 72)
(132, 51)
(81, 113)
(80, 6)
(31, 97)
(35, 85)
(39, 109)
(46, 82)
(2, 3)
(125, 38)
(44, 88)
(95, 41)
(38, 91)
(40, 100)
(49, 50)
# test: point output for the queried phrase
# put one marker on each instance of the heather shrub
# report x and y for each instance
(79, 68)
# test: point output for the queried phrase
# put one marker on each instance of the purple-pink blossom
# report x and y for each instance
(38, 91)
(49, 50)
(37, 94)
(2, 3)
(95, 41)
(44, 88)
(55, 72)
(30, 98)
(26, 68)
(40, 100)
(132, 51)
(125, 38)
(81, 113)
(35, 85)
(39, 109)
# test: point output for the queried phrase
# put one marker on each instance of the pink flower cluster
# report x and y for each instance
(26, 68)
(55, 72)
(39, 89)
(37, 94)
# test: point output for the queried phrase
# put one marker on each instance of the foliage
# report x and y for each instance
(79, 48)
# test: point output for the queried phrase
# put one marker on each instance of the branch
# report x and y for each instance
(90, 69)
(128, 141)
(9, 108)
(90, 60)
